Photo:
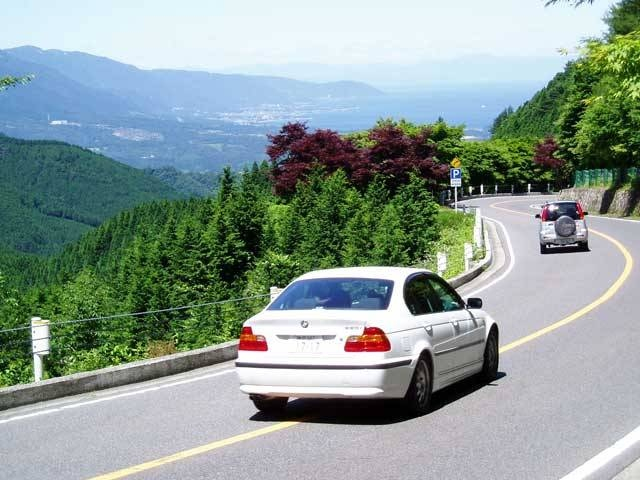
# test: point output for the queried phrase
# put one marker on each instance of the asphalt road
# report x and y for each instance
(563, 395)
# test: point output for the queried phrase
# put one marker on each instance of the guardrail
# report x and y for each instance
(515, 189)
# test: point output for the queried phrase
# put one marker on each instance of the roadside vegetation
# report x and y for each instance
(587, 117)
(376, 207)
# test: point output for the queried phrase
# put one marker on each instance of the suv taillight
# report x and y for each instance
(545, 214)
(249, 341)
(580, 211)
(372, 339)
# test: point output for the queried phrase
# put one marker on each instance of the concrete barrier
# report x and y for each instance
(133, 372)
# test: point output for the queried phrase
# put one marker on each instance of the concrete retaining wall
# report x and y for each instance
(134, 372)
(620, 202)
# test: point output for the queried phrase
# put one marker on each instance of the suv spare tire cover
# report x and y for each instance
(565, 226)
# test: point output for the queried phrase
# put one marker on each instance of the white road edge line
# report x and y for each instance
(113, 397)
(604, 457)
(512, 260)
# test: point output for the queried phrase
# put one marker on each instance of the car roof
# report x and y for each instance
(390, 273)
(560, 201)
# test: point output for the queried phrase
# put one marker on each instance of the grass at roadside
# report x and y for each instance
(456, 229)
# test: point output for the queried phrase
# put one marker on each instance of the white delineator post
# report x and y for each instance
(468, 255)
(40, 344)
(477, 229)
(442, 262)
(274, 292)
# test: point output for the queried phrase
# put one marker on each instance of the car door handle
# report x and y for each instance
(456, 325)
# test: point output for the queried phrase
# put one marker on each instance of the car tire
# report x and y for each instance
(543, 248)
(584, 246)
(491, 358)
(269, 404)
(418, 395)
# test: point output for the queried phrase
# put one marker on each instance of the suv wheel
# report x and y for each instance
(543, 248)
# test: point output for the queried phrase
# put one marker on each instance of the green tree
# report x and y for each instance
(618, 60)
(359, 243)
(322, 235)
(623, 18)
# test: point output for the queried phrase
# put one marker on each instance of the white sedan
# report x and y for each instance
(365, 332)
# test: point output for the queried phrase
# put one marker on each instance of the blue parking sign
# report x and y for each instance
(455, 174)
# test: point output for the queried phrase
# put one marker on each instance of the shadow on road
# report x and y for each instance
(367, 412)
(568, 249)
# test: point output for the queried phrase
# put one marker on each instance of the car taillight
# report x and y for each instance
(580, 211)
(249, 341)
(545, 214)
(372, 339)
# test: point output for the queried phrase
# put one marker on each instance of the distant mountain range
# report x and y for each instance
(461, 71)
(194, 121)
(200, 122)
(80, 86)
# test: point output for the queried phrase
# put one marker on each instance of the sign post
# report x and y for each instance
(455, 175)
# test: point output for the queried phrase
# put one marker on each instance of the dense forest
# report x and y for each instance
(257, 231)
(589, 115)
(51, 193)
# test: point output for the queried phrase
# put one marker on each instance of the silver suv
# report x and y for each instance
(563, 223)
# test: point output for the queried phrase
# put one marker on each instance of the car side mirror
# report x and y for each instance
(537, 215)
(474, 303)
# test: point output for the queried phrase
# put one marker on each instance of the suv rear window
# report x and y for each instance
(554, 211)
(343, 293)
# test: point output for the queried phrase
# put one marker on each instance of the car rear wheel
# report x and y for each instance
(419, 393)
(491, 357)
(585, 246)
(543, 248)
(269, 404)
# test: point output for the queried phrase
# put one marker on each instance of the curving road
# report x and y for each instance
(569, 388)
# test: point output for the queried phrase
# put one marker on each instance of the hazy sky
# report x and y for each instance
(217, 34)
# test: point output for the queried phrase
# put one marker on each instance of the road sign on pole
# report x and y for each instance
(455, 174)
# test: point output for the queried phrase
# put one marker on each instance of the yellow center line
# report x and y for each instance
(125, 472)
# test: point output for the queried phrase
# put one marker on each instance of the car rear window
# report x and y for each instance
(335, 293)
(556, 210)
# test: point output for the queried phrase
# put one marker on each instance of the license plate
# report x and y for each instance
(306, 345)
(565, 241)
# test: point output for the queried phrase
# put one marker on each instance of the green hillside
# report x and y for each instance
(537, 117)
(590, 112)
(51, 193)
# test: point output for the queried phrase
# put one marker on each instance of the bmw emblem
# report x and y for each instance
(304, 324)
